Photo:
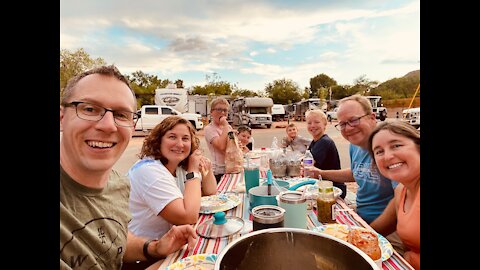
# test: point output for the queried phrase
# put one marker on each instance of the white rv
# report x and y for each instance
(252, 111)
(412, 116)
(278, 112)
(377, 107)
(172, 96)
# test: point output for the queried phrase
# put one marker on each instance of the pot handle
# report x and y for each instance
(308, 182)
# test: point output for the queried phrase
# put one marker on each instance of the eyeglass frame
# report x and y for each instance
(349, 122)
(220, 110)
(76, 103)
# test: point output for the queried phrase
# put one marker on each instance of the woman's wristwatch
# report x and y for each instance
(192, 175)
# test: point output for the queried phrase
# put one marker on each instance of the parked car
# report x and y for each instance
(332, 115)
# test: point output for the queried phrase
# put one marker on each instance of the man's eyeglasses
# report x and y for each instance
(352, 122)
(92, 112)
(221, 110)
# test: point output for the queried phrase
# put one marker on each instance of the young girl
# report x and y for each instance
(245, 139)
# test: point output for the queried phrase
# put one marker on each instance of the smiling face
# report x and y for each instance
(292, 132)
(175, 145)
(397, 157)
(316, 125)
(89, 147)
(244, 137)
(357, 135)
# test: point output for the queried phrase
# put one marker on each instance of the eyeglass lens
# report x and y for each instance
(93, 112)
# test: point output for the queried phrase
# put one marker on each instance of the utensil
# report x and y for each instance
(269, 182)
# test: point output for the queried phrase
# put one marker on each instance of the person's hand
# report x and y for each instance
(243, 147)
(205, 166)
(176, 238)
(313, 172)
(223, 121)
(194, 161)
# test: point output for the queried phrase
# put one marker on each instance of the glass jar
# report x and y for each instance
(326, 203)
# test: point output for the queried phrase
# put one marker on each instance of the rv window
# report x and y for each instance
(258, 110)
(151, 110)
(167, 111)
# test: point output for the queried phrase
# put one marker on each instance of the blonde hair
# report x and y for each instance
(363, 101)
(317, 112)
(217, 101)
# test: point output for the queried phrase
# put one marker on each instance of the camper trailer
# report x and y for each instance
(309, 104)
(278, 112)
(172, 96)
(252, 111)
(412, 116)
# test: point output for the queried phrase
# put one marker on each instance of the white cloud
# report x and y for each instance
(171, 37)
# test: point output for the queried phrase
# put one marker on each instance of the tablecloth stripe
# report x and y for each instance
(228, 183)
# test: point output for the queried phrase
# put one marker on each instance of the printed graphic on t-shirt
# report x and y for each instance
(105, 246)
(365, 172)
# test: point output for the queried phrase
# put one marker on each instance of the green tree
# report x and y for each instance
(144, 86)
(320, 84)
(283, 91)
(363, 85)
(398, 88)
(244, 93)
(214, 86)
(74, 63)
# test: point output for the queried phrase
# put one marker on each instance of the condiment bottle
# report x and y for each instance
(326, 202)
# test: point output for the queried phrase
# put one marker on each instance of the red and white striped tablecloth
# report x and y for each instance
(228, 184)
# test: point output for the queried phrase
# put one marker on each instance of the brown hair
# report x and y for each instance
(152, 143)
(244, 128)
(103, 70)
(398, 127)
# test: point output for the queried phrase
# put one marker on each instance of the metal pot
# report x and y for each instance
(259, 196)
(291, 248)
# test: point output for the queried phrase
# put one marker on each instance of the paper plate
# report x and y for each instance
(385, 246)
(220, 202)
(198, 261)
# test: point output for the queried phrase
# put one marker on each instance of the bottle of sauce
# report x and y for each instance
(326, 202)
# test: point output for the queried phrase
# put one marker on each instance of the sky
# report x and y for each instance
(248, 43)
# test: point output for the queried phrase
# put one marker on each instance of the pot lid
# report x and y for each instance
(220, 226)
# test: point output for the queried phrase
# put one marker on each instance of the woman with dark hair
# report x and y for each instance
(169, 179)
(395, 148)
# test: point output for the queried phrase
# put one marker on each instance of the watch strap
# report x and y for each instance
(145, 250)
(191, 175)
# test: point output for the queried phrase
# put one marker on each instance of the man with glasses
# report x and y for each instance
(97, 120)
(356, 122)
(216, 135)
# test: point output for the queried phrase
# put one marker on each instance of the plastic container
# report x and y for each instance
(295, 205)
(307, 164)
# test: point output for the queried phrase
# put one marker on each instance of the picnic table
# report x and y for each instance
(228, 183)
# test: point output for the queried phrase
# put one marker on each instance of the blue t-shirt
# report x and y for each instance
(374, 190)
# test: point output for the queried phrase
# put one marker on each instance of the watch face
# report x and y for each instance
(190, 175)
